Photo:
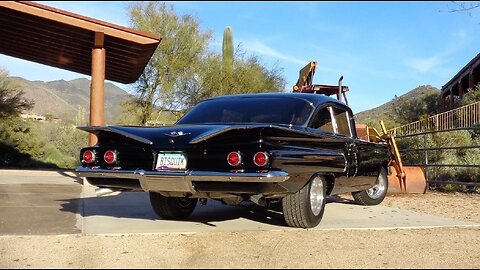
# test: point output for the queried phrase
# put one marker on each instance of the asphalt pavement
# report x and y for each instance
(56, 202)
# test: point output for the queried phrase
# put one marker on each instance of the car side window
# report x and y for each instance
(342, 122)
(323, 121)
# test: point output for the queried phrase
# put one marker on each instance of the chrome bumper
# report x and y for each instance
(182, 181)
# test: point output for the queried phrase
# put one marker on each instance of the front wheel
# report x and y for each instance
(375, 194)
(304, 209)
(172, 207)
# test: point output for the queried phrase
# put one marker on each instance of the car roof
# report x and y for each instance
(314, 99)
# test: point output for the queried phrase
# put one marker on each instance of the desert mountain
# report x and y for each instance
(68, 100)
(386, 111)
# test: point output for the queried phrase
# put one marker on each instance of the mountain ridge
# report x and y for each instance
(69, 100)
(386, 111)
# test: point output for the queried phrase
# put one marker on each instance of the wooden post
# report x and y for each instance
(471, 80)
(452, 105)
(97, 87)
(460, 90)
(442, 102)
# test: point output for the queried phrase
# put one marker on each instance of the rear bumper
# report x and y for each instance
(183, 181)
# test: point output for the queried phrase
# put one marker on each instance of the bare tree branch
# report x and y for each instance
(464, 6)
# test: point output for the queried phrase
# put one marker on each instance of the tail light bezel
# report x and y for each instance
(93, 154)
(239, 161)
(115, 156)
(266, 159)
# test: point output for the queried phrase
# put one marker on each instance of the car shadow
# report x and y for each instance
(339, 199)
(75, 178)
(136, 205)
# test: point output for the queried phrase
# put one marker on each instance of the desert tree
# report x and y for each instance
(12, 102)
(172, 69)
(185, 70)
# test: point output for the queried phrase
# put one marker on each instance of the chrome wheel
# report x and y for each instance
(304, 208)
(379, 189)
(375, 194)
(317, 196)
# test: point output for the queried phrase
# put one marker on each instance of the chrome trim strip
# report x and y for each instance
(267, 177)
(86, 172)
(182, 180)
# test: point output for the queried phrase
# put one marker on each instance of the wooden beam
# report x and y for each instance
(97, 88)
(76, 20)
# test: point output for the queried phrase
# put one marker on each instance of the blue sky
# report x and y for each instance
(382, 49)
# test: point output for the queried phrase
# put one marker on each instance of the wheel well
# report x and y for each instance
(386, 166)
(330, 179)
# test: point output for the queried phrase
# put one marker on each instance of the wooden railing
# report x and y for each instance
(463, 117)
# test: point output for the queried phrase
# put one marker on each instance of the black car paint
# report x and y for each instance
(351, 164)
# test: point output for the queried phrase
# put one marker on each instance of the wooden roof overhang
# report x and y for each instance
(61, 39)
(470, 69)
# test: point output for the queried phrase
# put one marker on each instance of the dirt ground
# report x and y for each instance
(463, 206)
(454, 247)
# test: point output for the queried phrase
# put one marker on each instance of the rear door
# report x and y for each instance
(336, 120)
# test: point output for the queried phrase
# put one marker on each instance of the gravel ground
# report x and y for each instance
(455, 247)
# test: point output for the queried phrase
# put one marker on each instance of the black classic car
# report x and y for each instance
(289, 149)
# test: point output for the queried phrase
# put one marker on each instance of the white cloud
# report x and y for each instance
(424, 65)
(462, 34)
(427, 64)
(261, 48)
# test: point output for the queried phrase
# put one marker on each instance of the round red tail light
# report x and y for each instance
(234, 158)
(260, 159)
(110, 157)
(88, 156)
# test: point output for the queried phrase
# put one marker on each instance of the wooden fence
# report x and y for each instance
(463, 117)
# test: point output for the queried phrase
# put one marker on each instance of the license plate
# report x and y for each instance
(171, 161)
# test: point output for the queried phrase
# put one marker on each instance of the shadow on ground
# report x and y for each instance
(75, 178)
(136, 205)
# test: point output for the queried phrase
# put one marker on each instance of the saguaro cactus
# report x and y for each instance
(227, 50)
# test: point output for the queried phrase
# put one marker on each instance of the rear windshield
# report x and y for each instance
(275, 110)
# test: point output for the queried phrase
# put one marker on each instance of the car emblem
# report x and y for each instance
(176, 134)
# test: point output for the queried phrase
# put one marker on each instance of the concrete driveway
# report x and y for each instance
(30, 202)
(56, 202)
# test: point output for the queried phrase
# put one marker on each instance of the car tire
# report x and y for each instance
(172, 207)
(375, 194)
(304, 209)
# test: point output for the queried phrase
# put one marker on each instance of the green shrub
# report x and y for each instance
(28, 144)
(446, 156)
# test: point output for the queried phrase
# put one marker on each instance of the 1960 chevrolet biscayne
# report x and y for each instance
(288, 148)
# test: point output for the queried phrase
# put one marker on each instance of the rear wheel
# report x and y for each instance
(304, 209)
(172, 207)
(375, 194)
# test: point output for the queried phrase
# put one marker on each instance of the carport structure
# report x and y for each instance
(73, 42)
(454, 90)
